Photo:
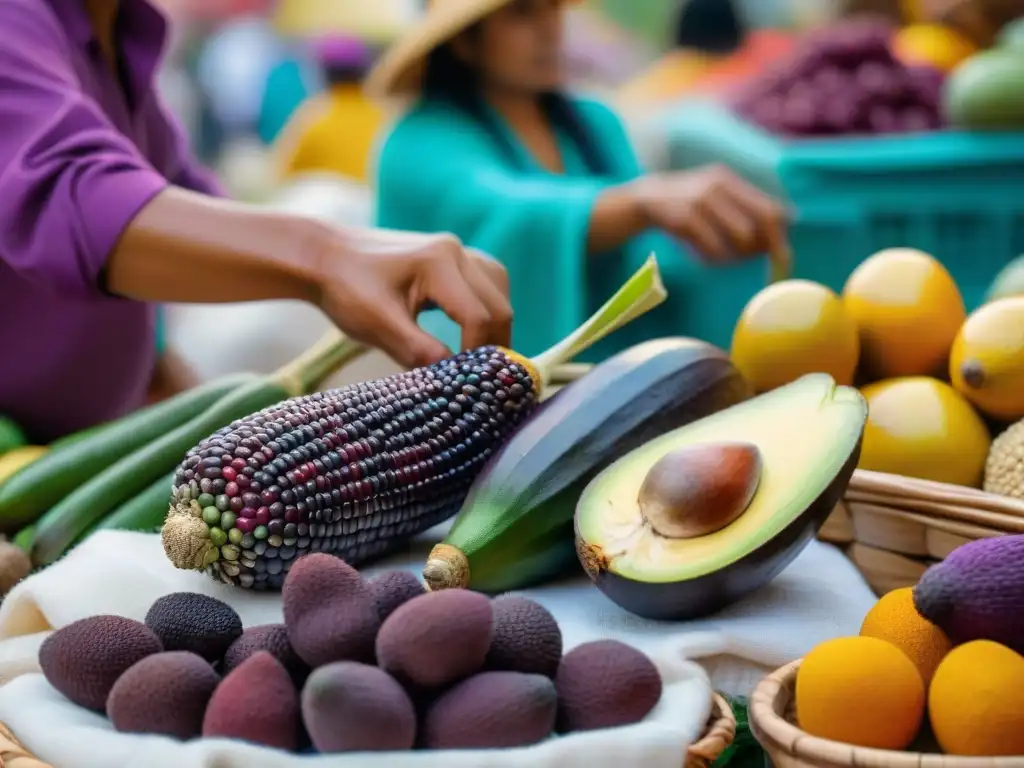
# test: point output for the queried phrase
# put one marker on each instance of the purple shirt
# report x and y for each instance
(80, 155)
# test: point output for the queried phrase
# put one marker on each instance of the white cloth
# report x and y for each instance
(820, 596)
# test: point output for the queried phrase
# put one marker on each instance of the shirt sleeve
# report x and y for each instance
(610, 133)
(69, 181)
(186, 171)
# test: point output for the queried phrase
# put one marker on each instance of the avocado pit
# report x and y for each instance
(699, 489)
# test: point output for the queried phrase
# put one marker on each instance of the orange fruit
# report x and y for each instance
(792, 328)
(933, 45)
(895, 619)
(908, 310)
(976, 701)
(862, 691)
(922, 427)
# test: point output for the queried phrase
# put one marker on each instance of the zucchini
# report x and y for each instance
(11, 436)
(23, 538)
(144, 412)
(44, 483)
(89, 503)
(144, 512)
(515, 527)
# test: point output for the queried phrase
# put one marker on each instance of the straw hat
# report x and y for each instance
(380, 22)
(399, 72)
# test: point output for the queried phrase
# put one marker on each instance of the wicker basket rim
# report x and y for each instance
(776, 734)
(718, 735)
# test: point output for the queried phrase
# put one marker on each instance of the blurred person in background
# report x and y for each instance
(495, 150)
(333, 131)
(104, 213)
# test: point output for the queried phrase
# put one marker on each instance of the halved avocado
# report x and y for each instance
(808, 434)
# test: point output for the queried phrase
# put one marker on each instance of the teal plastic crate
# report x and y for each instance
(958, 196)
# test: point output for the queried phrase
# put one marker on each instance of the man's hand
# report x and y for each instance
(375, 282)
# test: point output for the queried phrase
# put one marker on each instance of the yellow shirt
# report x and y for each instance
(333, 131)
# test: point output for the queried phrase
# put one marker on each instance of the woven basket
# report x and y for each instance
(771, 714)
(718, 735)
(894, 527)
(720, 731)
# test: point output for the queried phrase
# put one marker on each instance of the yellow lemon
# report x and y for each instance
(922, 427)
(986, 364)
(908, 310)
(792, 328)
(933, 45)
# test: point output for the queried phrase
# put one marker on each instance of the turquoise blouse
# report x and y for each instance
(440, 170)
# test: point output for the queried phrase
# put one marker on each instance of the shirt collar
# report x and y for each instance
(141, 32)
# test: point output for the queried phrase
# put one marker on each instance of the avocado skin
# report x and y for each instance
(713, 592)
(531, 485)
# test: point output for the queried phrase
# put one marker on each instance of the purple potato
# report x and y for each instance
(800, 115)
(927, 86)
(830, 79)
(883, 84)
(839, 115)
(768, 113)
(850, 43)
(916, 120)
(882, 118)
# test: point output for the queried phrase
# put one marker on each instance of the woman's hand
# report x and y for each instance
(375, 282)
(722, 216)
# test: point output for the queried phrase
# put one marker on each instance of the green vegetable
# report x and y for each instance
(49, 479)
(1009, 281)
(515, 527)
(11, 435)
(144, 512)
(984, 94)
(23, 538)
(1011, 36)
(95, 499)
(409, 417)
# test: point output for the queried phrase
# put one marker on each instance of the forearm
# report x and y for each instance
(191, 248)
(617, 216)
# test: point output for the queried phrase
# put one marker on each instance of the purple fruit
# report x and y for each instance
(165, 693)
(394, 588)
(977, 592)
(917, 120)
(492, 710)
(258, 703)
(352, 707)
(882, 119)
(800, 115)
(526, 637)
(436, 638)
(329, 611)
(272, 638)
(605, 684)
(84, 659)
(877, 81)
(189, 621)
